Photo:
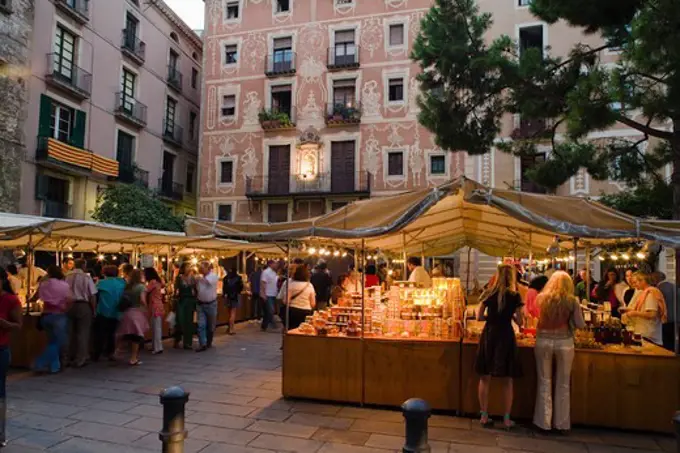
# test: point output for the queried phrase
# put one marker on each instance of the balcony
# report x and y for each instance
(309, 186)
(132, 174)
(78, 10)
(192, 143)
(277, 120)
(169, 189)
(174, 78)
(530, 128)
(339, 115)
(130, 110)
(132, 47)
(343, 57)
(173, 134)
(71, 159)
(67, 77)
(56, 209)
(282, 64)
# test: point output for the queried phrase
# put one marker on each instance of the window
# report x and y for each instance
(61, 122)
(173, 59)
(345, 50)
(282, 6)
(194, 78)
(523, 2)
(227, 172)
(128, 84)
(531, 38)
(224, 212)
(437, 165)
(343, 2)
(277, 212)
(344, 92)
(194, 55)
(170, 112)
(191, 170)
(125, 150)
(131, 32)
(174, 37)
(395, 163)
(283, 54)
(282, 98)
(396, 35)
(230, 54)
(396, 90)
(228, 105)
(192, 125)
(233, 9)
(64, 53)
(55, 195)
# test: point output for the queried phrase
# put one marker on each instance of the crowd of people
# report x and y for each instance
(554, 302)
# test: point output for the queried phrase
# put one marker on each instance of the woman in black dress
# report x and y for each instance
(497, 353)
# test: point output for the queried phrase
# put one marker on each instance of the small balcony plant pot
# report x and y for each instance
(275, 124)
(337, 116)
(267, 124)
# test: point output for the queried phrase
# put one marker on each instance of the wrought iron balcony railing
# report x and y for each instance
(277, 119)
(78, 10)
(65, 75)
(173, 133)
(342, 114)
(132, 174)
(167, 188)
(343, 56)
(130, 109)
(132, 46)
(56, 209)
(174, 78)
(280, 63)
(333, 183)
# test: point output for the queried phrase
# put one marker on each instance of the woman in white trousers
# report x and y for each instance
(560, 314)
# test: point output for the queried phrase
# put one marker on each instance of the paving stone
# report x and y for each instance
(463, 436)
(341, 448)
(629, 440)
(371, 414)
(460, 448)
(370, 426)
(340, 436)
(146, 410)
(220, 420)
(113, 406)
(667, 444)
(441, 421)
(284, 429)
(224, 435)
(12, 448)
(40, 422)
(77, 400)
(40, 439)
(42, 408)
(224, 448)
(226, 409)
(109, 418)
(321, 421)
(284, 443)
(108, 433)
(540, 445)
(602, 448)
(152, 442)
(272, 415)
(77, 445)
(397, 443)
(315, 408)
(272, 403)
(152, 425)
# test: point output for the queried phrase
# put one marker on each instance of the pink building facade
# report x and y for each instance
(114, 97)
(309, 104)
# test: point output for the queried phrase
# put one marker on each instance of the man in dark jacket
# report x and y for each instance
(322, 282)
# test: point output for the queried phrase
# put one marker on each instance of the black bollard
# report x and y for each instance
(676, 424)
(416, 412)
(174, 400)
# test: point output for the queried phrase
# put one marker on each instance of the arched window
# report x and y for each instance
(174, 37)
(194, 56)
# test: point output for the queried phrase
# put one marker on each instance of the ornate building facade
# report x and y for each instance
(310, 104)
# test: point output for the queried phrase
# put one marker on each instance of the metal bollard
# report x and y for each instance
(676, 424)
(174, 400)
(416, 412)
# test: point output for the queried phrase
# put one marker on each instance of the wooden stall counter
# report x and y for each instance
(28, 342)
(615, 387)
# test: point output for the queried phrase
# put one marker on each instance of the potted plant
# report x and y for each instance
(265, 118)
(339, 112)
(283, 119)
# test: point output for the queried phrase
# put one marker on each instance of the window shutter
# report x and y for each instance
(344, 83)
(41, 186)
(283, 43)
(45, 116)
(396, 35)
(78, 132)
(344, 36)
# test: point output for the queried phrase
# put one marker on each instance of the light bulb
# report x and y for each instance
(100, 257)
(163, 259)
(194, 261)
(70, 255)
(614, 257)
(336, 253)
(625, 256)
(390, 272)
(114, 257)
(571, 258)
(369, 257)
(641, 255)
(344, 254)
(312, 250)
(601, 258)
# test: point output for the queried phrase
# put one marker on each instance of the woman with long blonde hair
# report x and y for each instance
(560, 313)
(497, 353)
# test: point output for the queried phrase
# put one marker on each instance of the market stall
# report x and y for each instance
(109, 244)
(412, 342)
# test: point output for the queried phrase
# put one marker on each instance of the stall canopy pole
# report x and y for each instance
(30, 259)
(403, 241)
(467, 284)
(576, 257)
(286, 282)
(587, 272)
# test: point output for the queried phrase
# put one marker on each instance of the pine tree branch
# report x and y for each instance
(647, 130)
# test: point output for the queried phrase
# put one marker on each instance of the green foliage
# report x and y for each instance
(469, 85)
(134, 206)
(649, 200)
(273, 115)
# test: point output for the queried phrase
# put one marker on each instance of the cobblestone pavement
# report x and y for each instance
(236, 407)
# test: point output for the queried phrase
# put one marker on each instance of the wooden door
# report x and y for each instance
(279, 170)
(342, 167)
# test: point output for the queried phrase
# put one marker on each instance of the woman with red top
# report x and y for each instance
(55, 294)
(560, 313)
(605, 291)
(154, 297)
(10, 319)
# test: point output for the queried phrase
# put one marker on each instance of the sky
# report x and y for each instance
(191, 11)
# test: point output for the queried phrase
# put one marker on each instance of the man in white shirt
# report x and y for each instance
(268, 291)
(418, 274)
(84, 296)
(207, 305)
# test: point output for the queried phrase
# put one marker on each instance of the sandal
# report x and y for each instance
(508, 424)
(485, 421)
(135, 363)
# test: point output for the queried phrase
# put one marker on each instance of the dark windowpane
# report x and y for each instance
(396, 90)
(395, 164)
(438, 165)
(224, 212)
(190, 178)
(227, 172)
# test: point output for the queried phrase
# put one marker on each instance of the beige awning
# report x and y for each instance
(457, 214)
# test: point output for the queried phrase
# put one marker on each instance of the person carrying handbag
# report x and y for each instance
(301, 297)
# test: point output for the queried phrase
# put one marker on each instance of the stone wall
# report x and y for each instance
(16, 33)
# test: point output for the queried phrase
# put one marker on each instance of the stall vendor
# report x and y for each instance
(417, 273)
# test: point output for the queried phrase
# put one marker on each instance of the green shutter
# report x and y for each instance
(45, 117)
(78, 132)
(41, 186)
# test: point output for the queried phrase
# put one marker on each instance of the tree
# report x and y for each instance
(134, 206)
(467, 86)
